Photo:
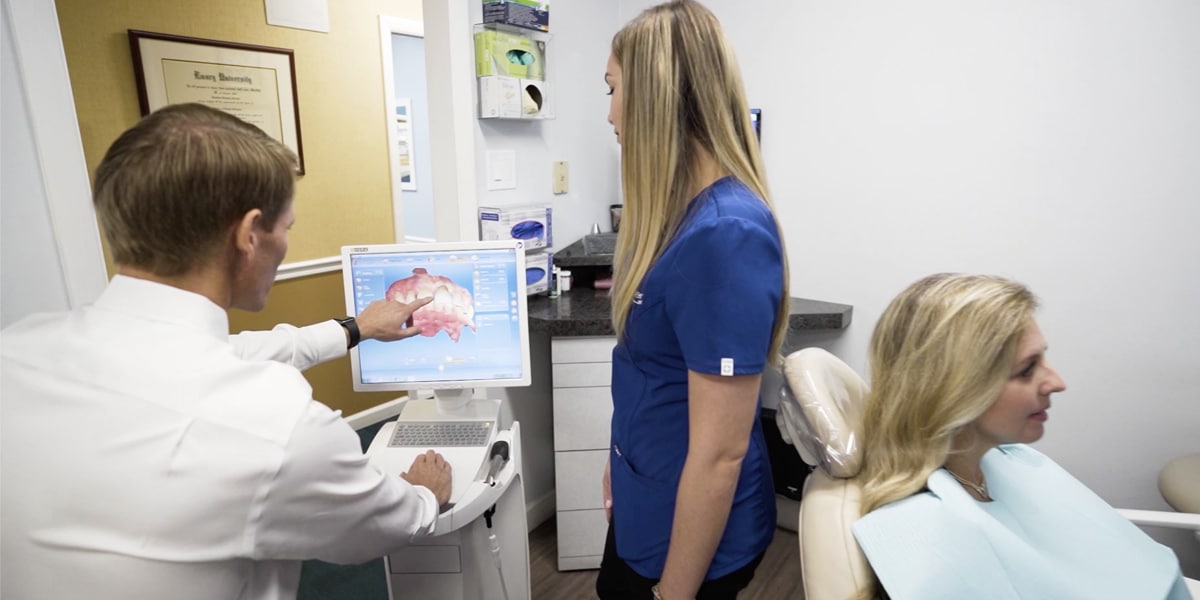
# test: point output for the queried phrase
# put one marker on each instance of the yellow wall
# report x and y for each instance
(304, 301)
(344, 196)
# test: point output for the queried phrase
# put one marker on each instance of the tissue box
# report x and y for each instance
(509, 54)
(511, 98)
(529, 14)
(499, 97)
(539, 269)
(531, 224)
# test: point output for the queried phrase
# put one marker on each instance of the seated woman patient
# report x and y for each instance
(955, 504)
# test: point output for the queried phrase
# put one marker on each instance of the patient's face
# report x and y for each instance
(1019, 414)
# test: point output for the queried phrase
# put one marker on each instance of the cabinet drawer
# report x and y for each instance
(578, 479)
(581, 533)
(582, 349)
(579, 563)
(581, 375)
(582, 418)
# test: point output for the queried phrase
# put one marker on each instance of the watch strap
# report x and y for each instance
(352, 327)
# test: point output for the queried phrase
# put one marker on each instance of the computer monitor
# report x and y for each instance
(475, 333)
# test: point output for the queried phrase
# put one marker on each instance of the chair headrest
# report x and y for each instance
(820, 411)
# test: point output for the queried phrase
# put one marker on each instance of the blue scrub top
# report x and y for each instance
(708, 305)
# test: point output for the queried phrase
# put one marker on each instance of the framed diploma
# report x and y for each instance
(254, 83)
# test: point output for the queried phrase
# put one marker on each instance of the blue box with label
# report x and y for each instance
(529, 14)
(530, 224)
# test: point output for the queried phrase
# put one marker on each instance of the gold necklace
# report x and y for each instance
(980, 488)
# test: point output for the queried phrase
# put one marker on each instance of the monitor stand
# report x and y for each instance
(461, 403)
(449, 405)
(469, 556)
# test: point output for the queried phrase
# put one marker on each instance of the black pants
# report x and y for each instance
(617, 581)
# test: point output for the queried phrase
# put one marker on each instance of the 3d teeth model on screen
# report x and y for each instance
(452, 306)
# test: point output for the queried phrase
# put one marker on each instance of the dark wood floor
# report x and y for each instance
(777, 578)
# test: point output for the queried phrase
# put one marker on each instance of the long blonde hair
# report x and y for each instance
(939, 356)
(682, 90)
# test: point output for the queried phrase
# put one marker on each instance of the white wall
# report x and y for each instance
(1057, 143)
(31, 281)
(579, 133)
(51, 256)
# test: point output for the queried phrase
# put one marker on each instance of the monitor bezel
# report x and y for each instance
(348, 252)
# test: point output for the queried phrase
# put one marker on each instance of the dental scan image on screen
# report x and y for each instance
(473, 333)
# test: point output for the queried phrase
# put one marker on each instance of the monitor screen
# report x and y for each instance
(475, 332)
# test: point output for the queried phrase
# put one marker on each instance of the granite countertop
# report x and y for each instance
(589, 251)
(586, 312)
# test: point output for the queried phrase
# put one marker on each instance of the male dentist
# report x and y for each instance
(148, 454)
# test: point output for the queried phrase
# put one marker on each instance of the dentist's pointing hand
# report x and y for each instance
(389, 320)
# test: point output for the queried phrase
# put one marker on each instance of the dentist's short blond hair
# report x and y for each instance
(170, 187)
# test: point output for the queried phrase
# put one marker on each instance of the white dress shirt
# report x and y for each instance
(145, 453)
(301, 347)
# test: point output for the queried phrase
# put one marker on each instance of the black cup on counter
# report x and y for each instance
(614, 214)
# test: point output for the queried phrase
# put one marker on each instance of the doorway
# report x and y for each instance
(407, 101)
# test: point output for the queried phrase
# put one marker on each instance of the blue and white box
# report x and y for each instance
(539, 271)
(530, 224)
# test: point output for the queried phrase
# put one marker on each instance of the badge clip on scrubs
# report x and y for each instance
(474, 335)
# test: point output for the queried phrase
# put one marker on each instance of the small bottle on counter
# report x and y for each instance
(564, 281)
(555, 282)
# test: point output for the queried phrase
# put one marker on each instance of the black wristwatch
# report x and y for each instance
(352, 326)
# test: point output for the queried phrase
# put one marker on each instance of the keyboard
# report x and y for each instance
(441, 434)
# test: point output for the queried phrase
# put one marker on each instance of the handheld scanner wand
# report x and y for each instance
(497, 460)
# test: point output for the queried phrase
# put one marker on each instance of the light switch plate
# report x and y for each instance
(501, 170)
(560, 177)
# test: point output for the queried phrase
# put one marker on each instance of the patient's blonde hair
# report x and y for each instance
(682, 90)
(939, 356)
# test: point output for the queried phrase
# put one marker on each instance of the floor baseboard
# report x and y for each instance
(541, 510)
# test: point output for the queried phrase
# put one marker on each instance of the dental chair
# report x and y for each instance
(820, 414)
(1179, 485)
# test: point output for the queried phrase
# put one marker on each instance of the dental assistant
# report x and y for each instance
(699, 308)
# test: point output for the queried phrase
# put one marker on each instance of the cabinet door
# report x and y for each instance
(579, 479)
(581, 533)
(570, 375)
(581, 418)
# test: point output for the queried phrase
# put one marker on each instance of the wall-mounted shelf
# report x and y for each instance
(510, 66)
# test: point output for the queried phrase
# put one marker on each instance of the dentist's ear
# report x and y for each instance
(246, 231)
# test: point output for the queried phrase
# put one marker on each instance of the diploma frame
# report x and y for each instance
(254, 83)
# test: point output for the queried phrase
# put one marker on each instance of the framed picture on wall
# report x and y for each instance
(404, 144)
(254, 83)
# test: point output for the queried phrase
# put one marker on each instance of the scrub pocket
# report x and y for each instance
(643, 512)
